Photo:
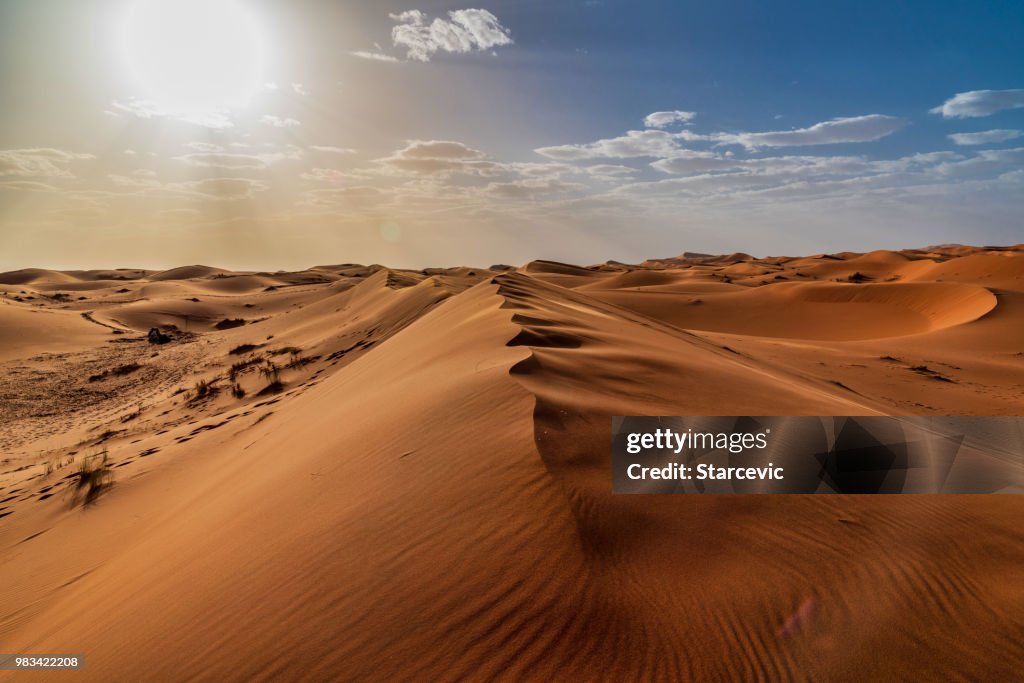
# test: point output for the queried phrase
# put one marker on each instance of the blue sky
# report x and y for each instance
(265, 133)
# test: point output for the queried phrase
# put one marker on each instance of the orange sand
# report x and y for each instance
(426, 494)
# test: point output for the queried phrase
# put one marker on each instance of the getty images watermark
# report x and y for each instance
(831, 454)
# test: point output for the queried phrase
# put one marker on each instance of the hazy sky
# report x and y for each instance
(287, 133)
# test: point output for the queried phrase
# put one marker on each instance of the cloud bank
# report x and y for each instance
(975, 103)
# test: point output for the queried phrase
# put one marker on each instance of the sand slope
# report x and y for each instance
(399, 475)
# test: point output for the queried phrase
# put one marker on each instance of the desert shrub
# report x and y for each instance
(241, 366)
(237, 391)
(270, 370)
(94, 476)
(202, 389)
(272, 373)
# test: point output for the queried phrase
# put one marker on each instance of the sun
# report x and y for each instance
(194, 57)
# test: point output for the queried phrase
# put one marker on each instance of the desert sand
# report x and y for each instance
(362, 473)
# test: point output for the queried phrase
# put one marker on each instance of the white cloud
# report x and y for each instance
(704, 185)
(609, 171)
(300, 89)
(438, 149)
(219, 160)
(466, 30)
(149, 110)
(329, 149)
(687, 161)
(661, 119)
(806, 177)
(985, 162)
(850, 129)
(42, 162)
(986, 137)
(434, 157)
(541, 170)
(231, 160)
(976, 103)
(635, 143)
(204, 147)
(280, 122)
(653, 142)
(26, 186)
(373, 56)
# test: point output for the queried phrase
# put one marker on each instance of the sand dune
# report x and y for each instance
(817, 310)
(30, 276)
(186, 273)
(389, 474)
(44, 331)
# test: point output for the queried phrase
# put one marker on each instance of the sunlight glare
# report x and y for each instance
(194, 57)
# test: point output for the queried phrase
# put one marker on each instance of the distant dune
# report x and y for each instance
(362, 473)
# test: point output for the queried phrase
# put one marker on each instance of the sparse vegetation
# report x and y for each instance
(237, 391)
(94, 476)
(243, 348)
(119, 371)
(240, 367)
(230, 323)
(272, 373)
(297, 361)
(202, 389)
